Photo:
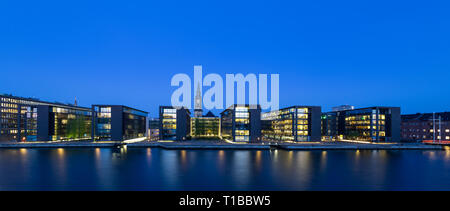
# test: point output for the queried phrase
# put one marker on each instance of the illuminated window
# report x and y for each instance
(241, 109)
(170, 111)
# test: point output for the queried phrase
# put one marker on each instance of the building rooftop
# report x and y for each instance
(359, 109)
(106, 105)
(445, 116)
(343, 108)
(69, 105)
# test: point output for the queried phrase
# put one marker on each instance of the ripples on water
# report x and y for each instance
(157, 169)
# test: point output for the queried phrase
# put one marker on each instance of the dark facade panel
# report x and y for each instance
(395, 124)
(316, 113)
(183, 124)
(43, 121)
(116, 123)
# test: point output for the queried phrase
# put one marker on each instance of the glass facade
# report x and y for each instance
(226, 124)
(175, 123)
(69, 123)
(169, 124)
(375, 124)
(134, 123)
(103, 122)
(289, 124)
(241, 123)
(205, 127)
(119, 123)
(329, 123)
(365, 124)
(19, 120)
(153, 129)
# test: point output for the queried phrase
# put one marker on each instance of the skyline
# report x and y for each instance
(328, 53)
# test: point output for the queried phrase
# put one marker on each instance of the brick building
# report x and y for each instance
(419, 127)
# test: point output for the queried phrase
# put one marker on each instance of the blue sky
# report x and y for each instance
(328, 53)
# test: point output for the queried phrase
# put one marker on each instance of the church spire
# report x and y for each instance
(198, 108)
(198, 98)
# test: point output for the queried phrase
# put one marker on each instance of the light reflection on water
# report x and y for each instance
(157, 169)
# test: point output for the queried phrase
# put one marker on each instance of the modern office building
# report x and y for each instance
(153, 129)
(375, 124)
(118, 123)
(329, 126)
(30, 119)
(63, 123)
(241, 123)
(296, 123)
(174, 123)
(426, 126)
(207, 126)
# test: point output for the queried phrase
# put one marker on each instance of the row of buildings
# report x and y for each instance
(246, 123)
(29, 119)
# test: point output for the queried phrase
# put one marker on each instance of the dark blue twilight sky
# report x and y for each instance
(364, 53)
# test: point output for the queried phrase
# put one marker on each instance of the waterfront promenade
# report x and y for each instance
(219, 144)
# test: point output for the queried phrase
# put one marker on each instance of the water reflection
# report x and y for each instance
(97, 153)
(149, 155)
(60, 153)
(183, 158)
(119, 153)
(323, 161)
(304, 166)
(221, 156)
(258, 161)
(61, 166)
(430, 154)
(241, 167)
(23, 151)
(447, 153)
(170, 168)
(157, 169)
